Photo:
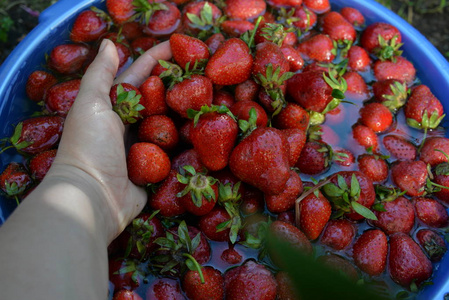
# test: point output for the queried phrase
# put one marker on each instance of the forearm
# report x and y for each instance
(54, 246)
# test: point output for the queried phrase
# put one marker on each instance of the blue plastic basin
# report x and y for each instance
(53, 29)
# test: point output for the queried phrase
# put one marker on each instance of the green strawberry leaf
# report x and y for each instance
(363, 211)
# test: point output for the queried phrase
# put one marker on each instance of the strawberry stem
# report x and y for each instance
(253, 34)
(6, 148)
(303, 196)
(423, 140)
(196, 264)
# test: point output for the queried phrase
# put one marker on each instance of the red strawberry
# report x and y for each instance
(293, 57)
(241, 110)
(188, 50)
(187, 158)
(292, 116)
(209, 224)
(399, 69)
(319, 48)
(89, 25)
(338, 234)
(407, 263)
(230, 64)
(340, 265)
(163, 21)
(123, 48)
(165, 288)
(318, 6)
(261, 160)
(314, 158)
(165, 197)
(38, 134)
(284, 3)
(208, 287)
(370, 252)
(68, 58)
(382, 39)
(60, 97)
(315, 211)
(286, 199)
(292, 235)
(235, 28)
(214, 42)
(193, 93)
(391, 93)
(365, 136)
(231, 256)
(337, 28)
(213, 135)
(399, 147)
(159, 130)
(14, 180)
(120, 10)
(373, 166)
(224, 98)
(142, 44)
(124, 274)
(357, 88)
(429, 153)
(343, 157)
(200, 17)
(250, 281)
(303, 18)
(126, 295)
(38, 83)
(269, 53)
(244, 9)
(423, 110)
(125, 99)
(296, 139)
(246, 91)
(252, 200)
(432, 244)
(397, 216)
(184, 132)
(40, 164)
(132, 30)
(147, 163)
(410, 176)
(431, 212)
(286, 288)
(358, 59)
(153, 97)
(353, 16)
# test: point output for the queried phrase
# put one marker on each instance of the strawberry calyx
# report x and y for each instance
(433, 248)
(103, 15)
(260, 240)
(427, 122)
(385, 194)
(287, 18)
(275, 32)
(195, 115)
(174, 73)
(16, 137)
(229, 198)
(131, 265)
(128, 106)
(141, 232)
(442, 168)
(399, 97)
(205, 22)
(388, 50)
(246, 127)
(144, 10)
(197, 184)
(339, 87)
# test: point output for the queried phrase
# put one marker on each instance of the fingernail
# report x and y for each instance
(103, 45)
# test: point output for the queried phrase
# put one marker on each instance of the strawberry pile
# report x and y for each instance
(277, 116)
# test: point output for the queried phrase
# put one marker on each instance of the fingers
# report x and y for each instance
(142, 67)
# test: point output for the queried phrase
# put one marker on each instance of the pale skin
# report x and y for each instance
(54, 245)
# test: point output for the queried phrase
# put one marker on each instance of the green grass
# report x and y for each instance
(407, 8)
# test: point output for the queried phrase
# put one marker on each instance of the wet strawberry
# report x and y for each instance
(432, 244)
(293, 57)
(399, 147)
(357, 88)
(60, 97)
(246, 91)
(358, 59)
(370, 252)
(410, 176)
(292, 116)
(209, 224)
(241, 110)
(399, 69)
(14, 180)
(214, 42)
(318, 48)
(296, 139)
(132, 30)
(382, 39)
(125, 99)
(165, 288)
(153, 97)
(187, 158)
(338, 28)
(433, 151)
(373, 166)
(338, 234)
(343, 157)
(142, 44)
(200, 18)
(38, 84)
(231, 256)
(41, 163)
(188, 50)
(165, 197)
(209, 285)
(68, 58)
(391, 93)
(284, 3)
(159, 130)
(365, 137)
(291, 234)
(235, 28)
(317, 6)
(315, 211)
(126, 295)
(315, 158)
(244, 9)
(353, 16)
(286, 199)
(303, 18)
(163, 21)
(396, 216)
(431, 212)
(89, 25)
(124, 274)
(120, 10)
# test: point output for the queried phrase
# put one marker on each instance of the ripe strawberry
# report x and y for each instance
(214, 42)
(399, 69)
(391, 93)
(423, 110)
(373, 166)
(68, 58)
(244, 9)
(159, 130)
(353, 16)
(357, 88)
(124, 274)
(284, 3)
(286, 199)
(200, 18)
(187, 158)
(382, 39)
(188, 50)
(319, 48)
(37, 134)
(191, 93)
(286, 288)
(40, 164)
(60, 97)
(126, 295)
(338, 234)
(246, 91)
(296, 139)
(241, 110)
(165, 288)
(120, 10)
(399, 147)
(292, 116)
(163, 21)
(147, 163)
(407, 263)
(89, 25)
(223, 98)
(397, 216)
(250, 281)
(410, 176)
(122, 46)
(125, 99)
(231, 256)
(207, 286)
(315, 158)
(132, 30)
(261, 160)
(142, 44)
(303, 18)
(235, 28)
(269, 53)
(153, 97)
(38, 83)
(365, 136)
(432, 244)
(358, 59)
(291, 234)
(337, 28)
(211, 224)
(293, 57)
(14, 180)
(341, 265)
(343, 157)
(252, 201)
(370, 252)
(431, 212)
(317, 6)
(213, 135)
(165, 197)
(429, 153)
(315, 211)
(231, 63)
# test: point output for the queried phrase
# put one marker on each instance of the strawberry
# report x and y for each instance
(433, 151)
(236, 28)
(211, 224)
(315, 158)
(314, 211)
(302, 18)
(373, 166)
(293, 57)
(132, 30)
(407, 263)
(125, 99)
(142, 44)
(242, 111)
(209, 286)
(246, 91)
(357, 88)
(60, 97)
(431, 212)
(296, 139)
(399, 69)
(395, 216)
(391, 93)
(37, 134)
(89, 25)
(358, 59)
(432, 244)
(284, 3)
(231, 63)
(188, 50)
(38, 84)
(370, 252)
(423, 110)
(164, 20)
(399, 147)
(291, 234)
(125, 274)
(147, 163)
(286, 199)
(184, 132)
(120, 10)
(261, 160)
(40, 164)
(353, 16)
(317, 6)
(292, 116)
(14, 180)
(213, 136)
(191, 93)
(231, 256)
(382, 39)
(201, 18)
(341, 265)
(68, 58)
(187, 158)
(337, 28)
(410, 176)
(252, 201)
(123, 48)
(365, 136)
(223, 98)
(153, 97)
(244, 9)
(165, 288)
(250, 281)
(319, 48)
(286, 288)
(338, 234)
(343, 157)
(159, 130)
(165, 197)
(126, 295)
(214, 42)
